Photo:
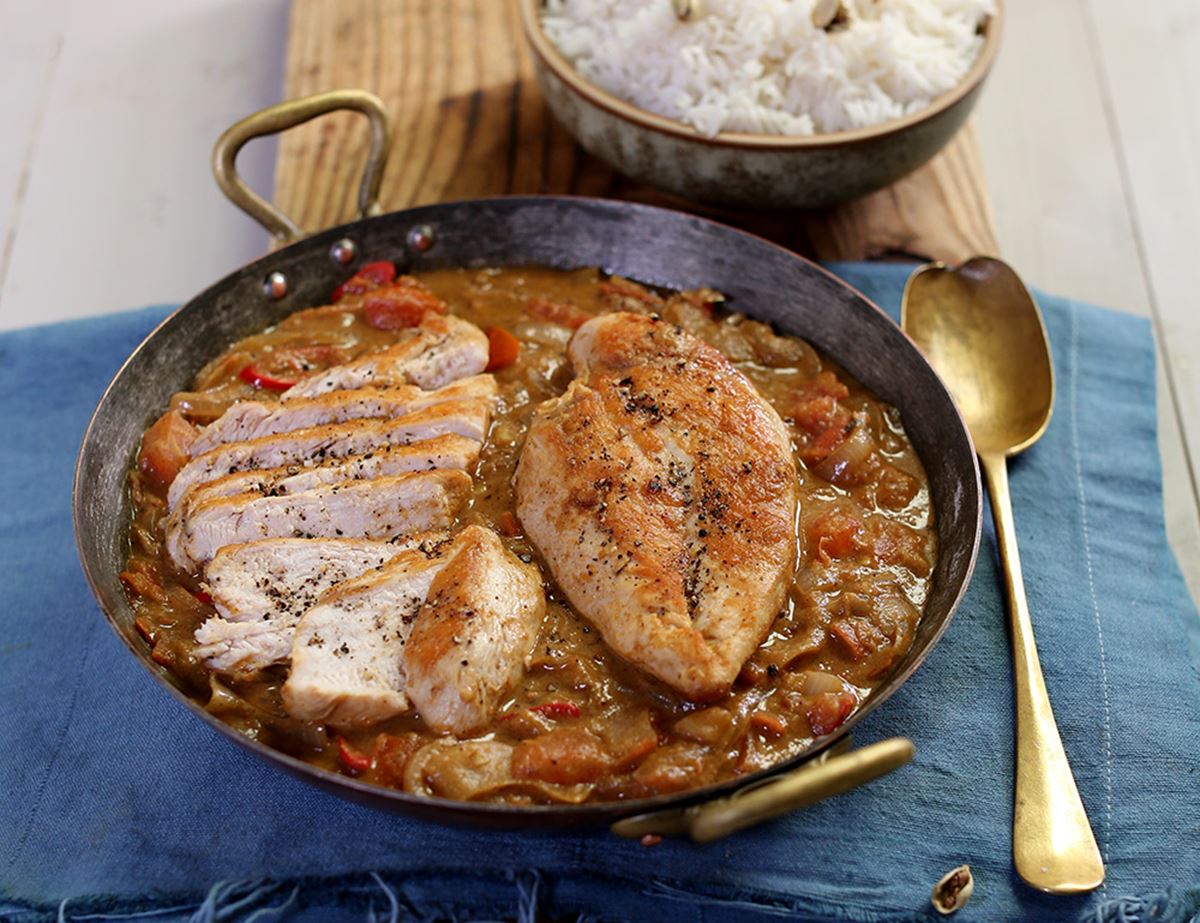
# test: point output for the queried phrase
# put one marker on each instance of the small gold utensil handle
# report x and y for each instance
(1054, 849)
(287, 115)
(807, 785)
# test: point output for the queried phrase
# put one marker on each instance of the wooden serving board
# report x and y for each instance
(469, 121)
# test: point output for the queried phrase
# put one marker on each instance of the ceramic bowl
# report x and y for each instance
(756, 170)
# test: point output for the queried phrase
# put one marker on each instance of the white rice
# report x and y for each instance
(763, 66)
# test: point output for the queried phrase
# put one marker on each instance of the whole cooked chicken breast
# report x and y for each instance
(661, 491)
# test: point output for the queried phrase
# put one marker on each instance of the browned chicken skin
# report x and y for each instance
(661, 490)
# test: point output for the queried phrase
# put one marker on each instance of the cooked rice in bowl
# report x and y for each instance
(786, 67)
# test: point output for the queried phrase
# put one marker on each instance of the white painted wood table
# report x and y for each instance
(1089, 127)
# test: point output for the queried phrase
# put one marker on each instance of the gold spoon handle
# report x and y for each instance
(1053, 846)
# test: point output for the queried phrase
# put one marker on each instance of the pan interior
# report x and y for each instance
(651, 245)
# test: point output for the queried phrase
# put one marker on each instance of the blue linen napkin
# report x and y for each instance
(116, 804)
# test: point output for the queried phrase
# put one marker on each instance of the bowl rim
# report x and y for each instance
(554, 60)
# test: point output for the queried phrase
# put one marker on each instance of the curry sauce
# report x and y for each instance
(584, 725)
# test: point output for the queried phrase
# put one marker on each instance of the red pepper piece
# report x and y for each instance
(503, 349)
(165, 446)
(204, 597)
(559, 709)
(251, 375)
(367, 279)
(355, 761)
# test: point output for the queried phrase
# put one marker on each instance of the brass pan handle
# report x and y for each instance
(812, 782)
(287, 115)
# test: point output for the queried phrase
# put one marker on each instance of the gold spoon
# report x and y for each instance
(980, 329)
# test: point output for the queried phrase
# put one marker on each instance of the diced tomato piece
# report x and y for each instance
(142, 584)
(814, 408)
(558, 312)
(508, 525)
(814, 415)
(898, 544)
(503, 349)
(836, 534)
(355, 761)
(828, 384)
(847, 634)
(204, 597)
(367, 279)
(565, 755)
(557, 709)
(829, 711)
(399, 306)
(895, 488)
(165, 446)
(827, 440)
(391, 755)
(253, 375)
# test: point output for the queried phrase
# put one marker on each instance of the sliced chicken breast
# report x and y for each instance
(442, 453)
(318, 444)
(440, 350)
(262, 588)
(448, 631)
(661, 491)
(449, 452)
(255, 419)
(380, 509)
(347, 650)
(471, 641)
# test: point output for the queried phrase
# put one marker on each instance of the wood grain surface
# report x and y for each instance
(469, 121)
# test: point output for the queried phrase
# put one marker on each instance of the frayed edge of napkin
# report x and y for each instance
(379, 900)
(1163, 907)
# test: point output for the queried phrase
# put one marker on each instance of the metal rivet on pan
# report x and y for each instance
(421, 238)
(344, 251)
(275, 286)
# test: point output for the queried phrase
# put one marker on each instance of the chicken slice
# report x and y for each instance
(442, 453)
(661, 491)
(255, 419)
(471, 612)
(381, 508)
(261, 589)
(471, 641)
(347, 649)
(449, 452)
(440, 350)
(318, 444)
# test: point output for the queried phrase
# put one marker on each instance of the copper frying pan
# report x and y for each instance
(652, 245)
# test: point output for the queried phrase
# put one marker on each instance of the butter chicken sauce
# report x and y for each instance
(585, 726)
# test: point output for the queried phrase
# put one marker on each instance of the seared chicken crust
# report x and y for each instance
(661, 491)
